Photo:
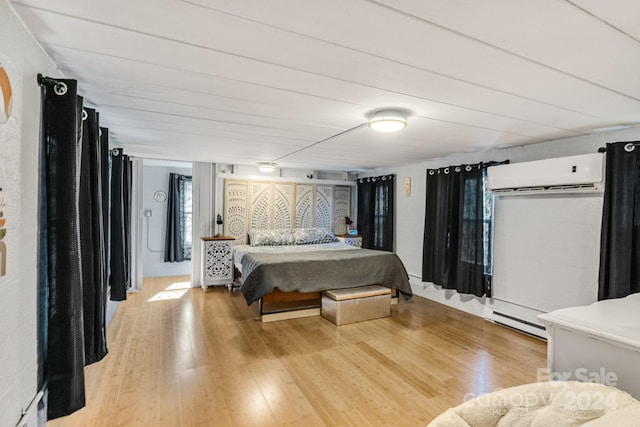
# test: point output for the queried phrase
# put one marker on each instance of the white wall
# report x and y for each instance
(205, 192)
(410, 209)
(23, 59)
(154, 228)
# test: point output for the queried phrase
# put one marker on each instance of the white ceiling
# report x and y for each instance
(242, 81)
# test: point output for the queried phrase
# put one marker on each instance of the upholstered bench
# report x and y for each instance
(343, 306)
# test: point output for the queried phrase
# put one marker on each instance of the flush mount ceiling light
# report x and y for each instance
(266, 167)
(388, 121)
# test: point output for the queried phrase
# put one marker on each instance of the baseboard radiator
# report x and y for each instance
(515, 316)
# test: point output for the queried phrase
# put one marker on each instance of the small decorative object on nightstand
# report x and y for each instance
(219, 222)
(348, 223)
(217, 262)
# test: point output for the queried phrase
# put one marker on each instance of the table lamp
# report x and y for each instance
(219, 222)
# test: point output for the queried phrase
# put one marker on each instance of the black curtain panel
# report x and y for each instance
(365, 213)
(620, 241)
(126, 203)
(440, 227)
(173, 238)
(470, 273)
(177, 248)
(120, 273)
(93, 249)
(100, 230)
(375, 212)
(43, 259)
(106, 198)
(456, 245)
(60, 250)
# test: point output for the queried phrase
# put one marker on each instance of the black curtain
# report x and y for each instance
(176, 248)
(73, 245)
(457, 229)
(61, 274)
(375, 212)
(620, 239)
(106, 199)
(120, 260)
(92, 243)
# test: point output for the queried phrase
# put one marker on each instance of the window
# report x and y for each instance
(375, 212)
(487, 232)
(470, 211)
(457, 233)
(178, 242)
(186, 197)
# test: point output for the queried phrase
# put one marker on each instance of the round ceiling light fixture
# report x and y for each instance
(388, 120)
(266, 167)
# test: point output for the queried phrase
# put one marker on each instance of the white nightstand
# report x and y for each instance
(217, 261)
(350, 239)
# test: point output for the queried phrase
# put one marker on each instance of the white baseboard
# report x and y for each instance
(467, 303)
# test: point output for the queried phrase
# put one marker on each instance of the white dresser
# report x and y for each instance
(217, 263)
(597, 343)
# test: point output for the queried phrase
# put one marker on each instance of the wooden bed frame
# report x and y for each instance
(280, 305)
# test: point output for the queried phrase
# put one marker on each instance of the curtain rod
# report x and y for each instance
(390, 177)
(629, 146)
(59, 87)
(483, 165)
(44, 79)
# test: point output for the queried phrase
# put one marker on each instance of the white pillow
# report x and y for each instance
(308, 236)
(276, 237)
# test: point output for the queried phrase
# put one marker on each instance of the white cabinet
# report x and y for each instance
(217, 264)
(351, 240)
(598, 342)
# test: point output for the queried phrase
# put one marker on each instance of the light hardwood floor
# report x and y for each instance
(183, 357)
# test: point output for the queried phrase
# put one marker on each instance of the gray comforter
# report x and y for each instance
(321, 270)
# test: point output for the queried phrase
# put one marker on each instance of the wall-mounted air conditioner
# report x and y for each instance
(583, 173)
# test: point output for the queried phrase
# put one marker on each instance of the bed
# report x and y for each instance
(285, 271)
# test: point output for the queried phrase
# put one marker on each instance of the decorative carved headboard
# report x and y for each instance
(265, 205)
